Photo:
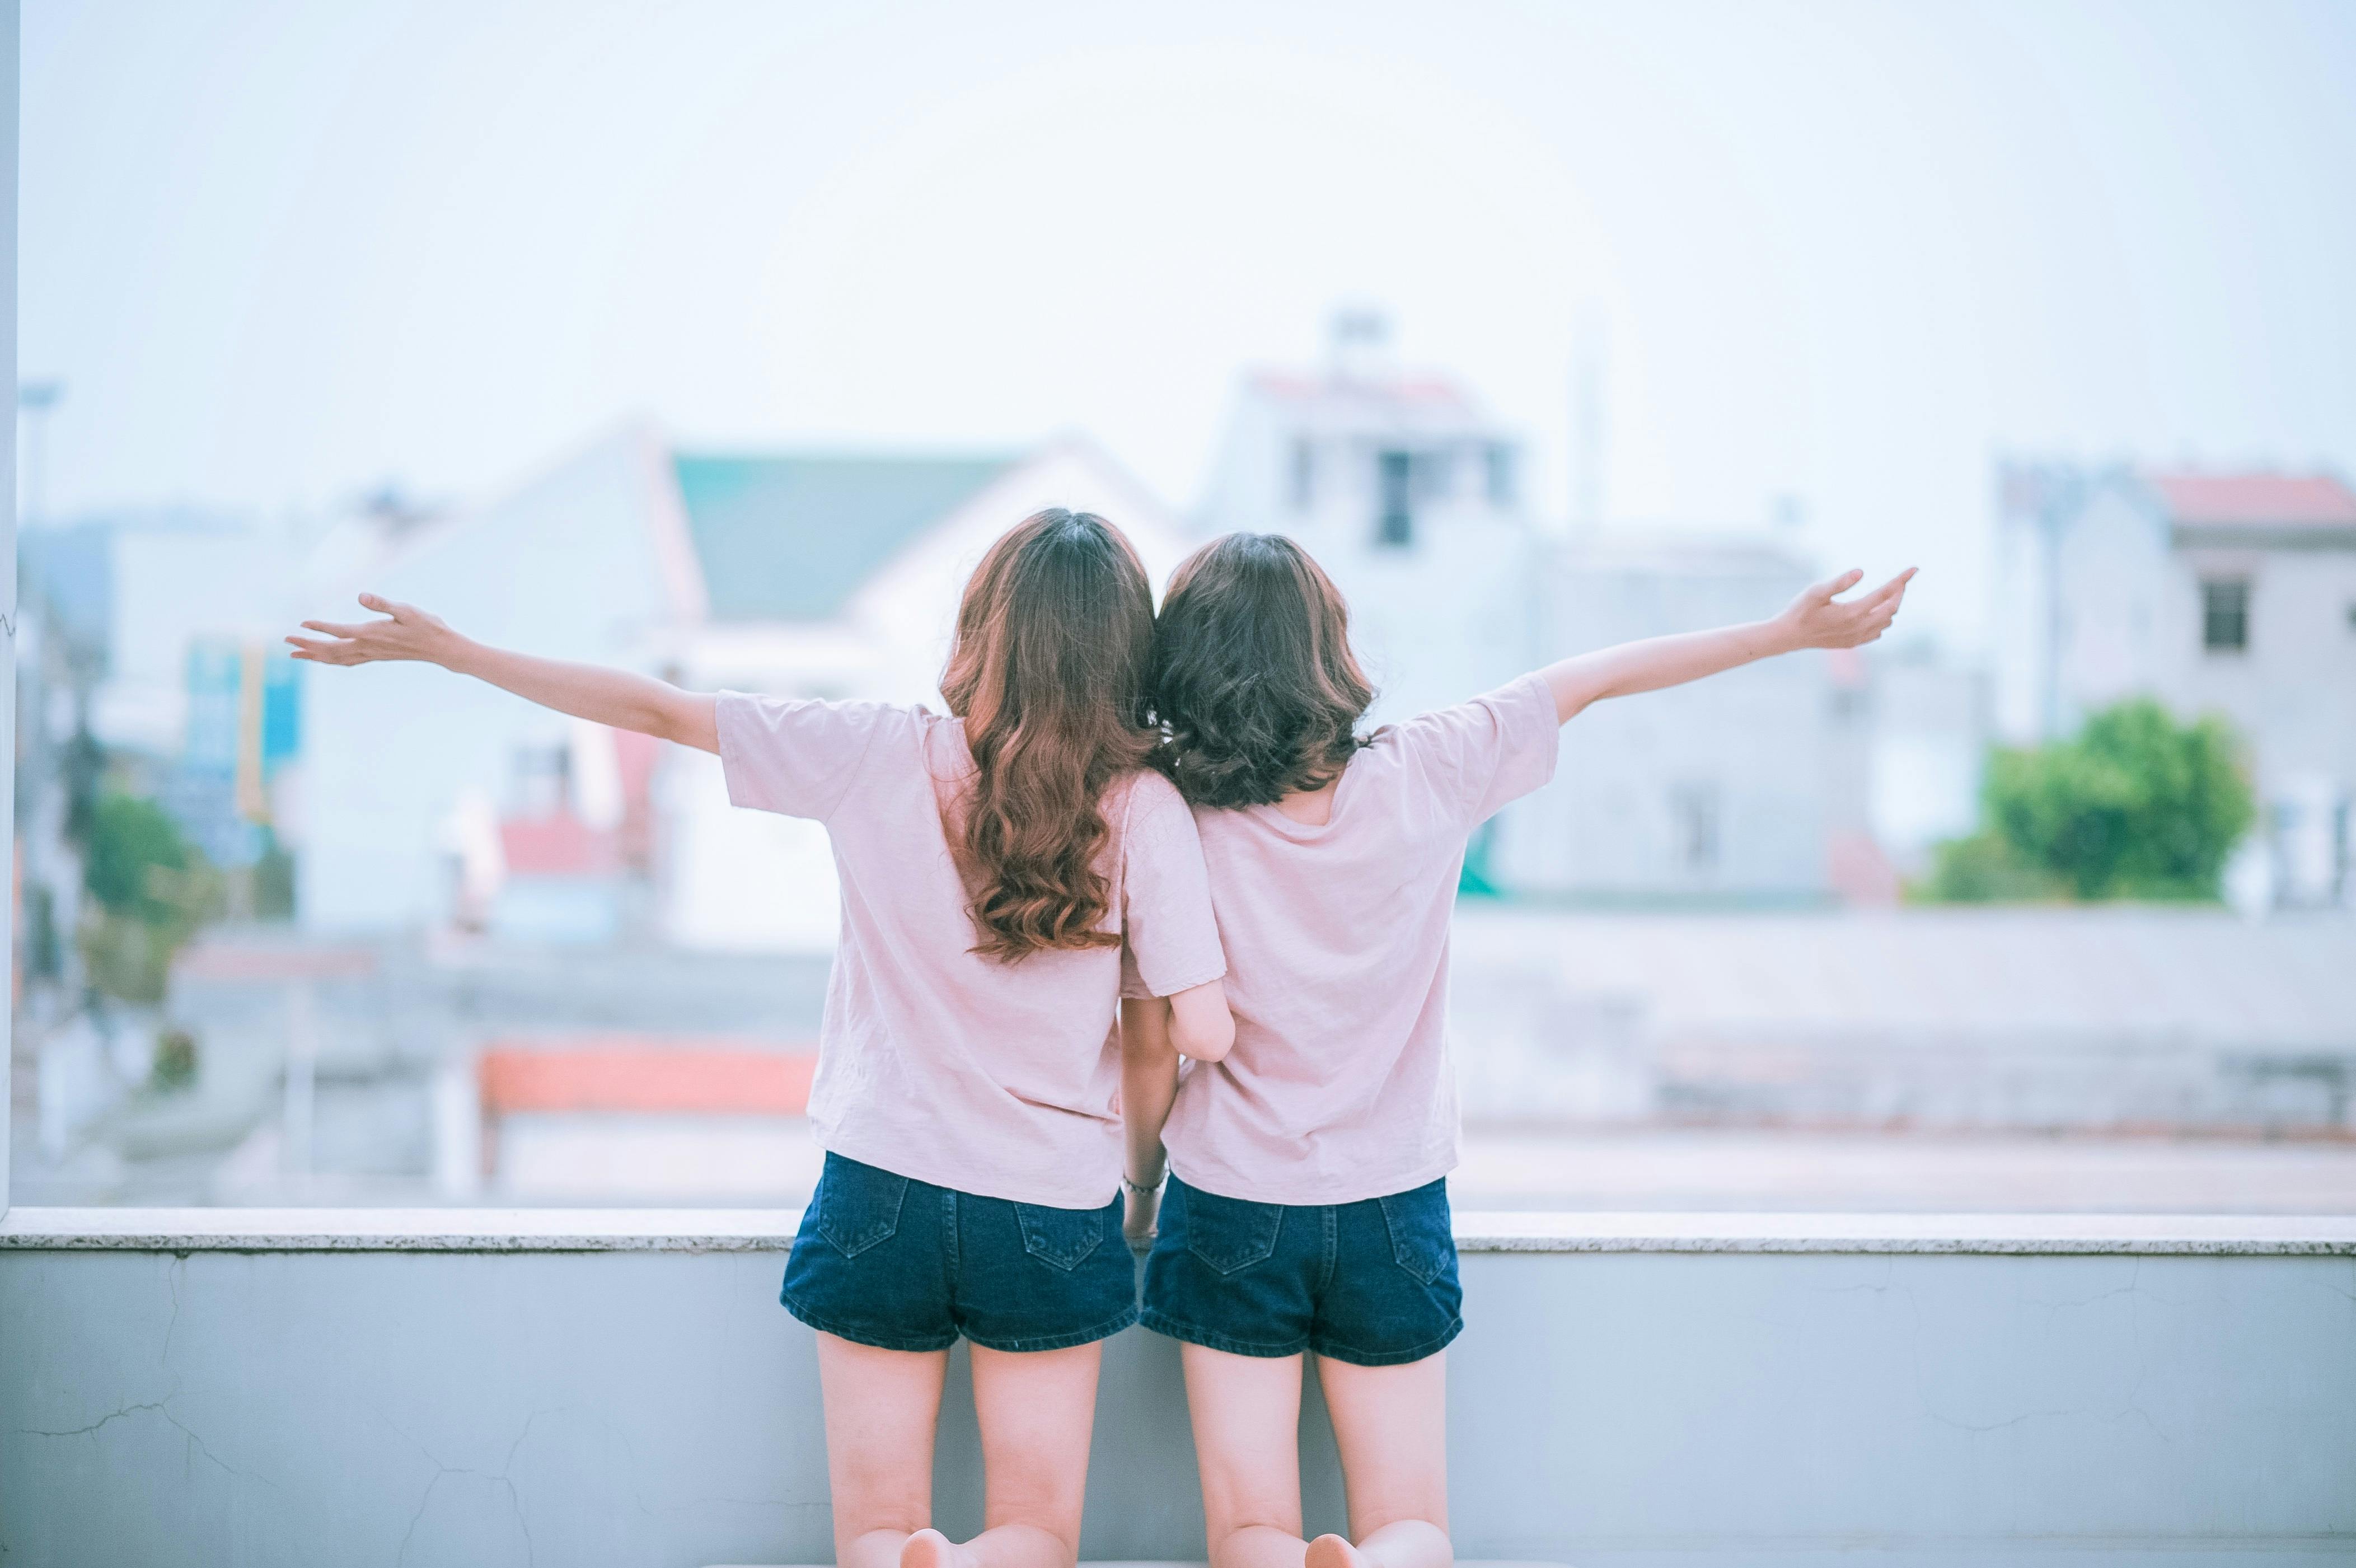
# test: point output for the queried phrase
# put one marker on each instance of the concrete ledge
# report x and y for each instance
(772, 1230)
(469, 1389)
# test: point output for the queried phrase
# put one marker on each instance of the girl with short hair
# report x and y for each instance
(1307, 1211)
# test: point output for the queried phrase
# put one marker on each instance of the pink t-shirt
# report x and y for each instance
(935, 1061)
(1340, 1087)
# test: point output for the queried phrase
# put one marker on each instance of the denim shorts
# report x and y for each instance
(899, 1264)
(1371, 1283)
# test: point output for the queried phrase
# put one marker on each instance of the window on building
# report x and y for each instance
(1500, 466)
(2225, 615)
(1694, 826)
(1435, 474)
(1303, 473)
(1395, 524)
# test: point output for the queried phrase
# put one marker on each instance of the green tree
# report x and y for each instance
(152, 890)
(130, 841)
(2134, 806)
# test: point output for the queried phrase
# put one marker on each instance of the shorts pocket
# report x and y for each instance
(1062, 1238)
(858, 1206)
(1229, 1233)
(1423, 1240)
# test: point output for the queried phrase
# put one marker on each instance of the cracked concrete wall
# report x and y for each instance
(1608, 1408)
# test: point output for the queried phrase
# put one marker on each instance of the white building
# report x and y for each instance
(138, 587)
(815, 574)
(2217, 593)
(1734, 788)
(1409, 494)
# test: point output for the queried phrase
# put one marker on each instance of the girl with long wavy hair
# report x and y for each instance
(1009, 873)
(1306, 1214)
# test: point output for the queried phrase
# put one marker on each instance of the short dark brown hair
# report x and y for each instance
(1252, 677)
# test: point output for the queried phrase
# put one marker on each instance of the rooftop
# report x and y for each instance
(790, 537)
(2255, 500)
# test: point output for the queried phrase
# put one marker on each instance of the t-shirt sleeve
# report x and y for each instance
(1480, 755)
(1170, 938)
(798, 756)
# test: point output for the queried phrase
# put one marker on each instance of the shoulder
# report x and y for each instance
(1522, 703)
(754, 722)
(1148, 810)
(829, 710)
(1144, 796)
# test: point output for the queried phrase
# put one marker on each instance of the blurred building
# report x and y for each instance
(1737, 788)
(1410, 494)
(2119, 1017)
(138, 589)
(430, 799)
(147, 661)
(2227, 593)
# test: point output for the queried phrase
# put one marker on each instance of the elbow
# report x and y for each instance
(1205, 1040)
(1201, 1027)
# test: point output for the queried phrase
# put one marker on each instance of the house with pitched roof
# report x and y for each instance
(2229, 593)
(426, 801)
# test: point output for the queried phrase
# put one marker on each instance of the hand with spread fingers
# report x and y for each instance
(407, 632)
(1820, 618)
(619, 699)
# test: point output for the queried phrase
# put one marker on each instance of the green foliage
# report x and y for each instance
(132, 842)
(81, 765)
(1986, 869)
(152, 890)
(127, 959)
(2136, 806)
(274, 883)
(44, 953)
(176, 1062)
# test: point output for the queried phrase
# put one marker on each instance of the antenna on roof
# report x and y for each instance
(1358, 341)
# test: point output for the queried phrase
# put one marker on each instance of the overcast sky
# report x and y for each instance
(1843, 253)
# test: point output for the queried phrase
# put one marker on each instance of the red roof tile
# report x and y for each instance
(1412, 388)
(2279, 500)
(644, 1075)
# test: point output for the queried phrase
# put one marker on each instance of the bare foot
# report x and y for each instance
(1325, 1552)
(931, 1549)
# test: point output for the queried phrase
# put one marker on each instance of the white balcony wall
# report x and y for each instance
(583, 1389)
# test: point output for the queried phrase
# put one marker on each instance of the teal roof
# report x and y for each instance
(793, 538)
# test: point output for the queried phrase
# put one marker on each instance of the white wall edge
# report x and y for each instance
(772, 1229)
(10, 70)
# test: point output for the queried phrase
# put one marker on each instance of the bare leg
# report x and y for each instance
(1038, 1409)
(882, 1410)
(1247, 1415)
(1391, 1425)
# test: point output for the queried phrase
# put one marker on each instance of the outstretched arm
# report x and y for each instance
(615, 698)
(1815, 619)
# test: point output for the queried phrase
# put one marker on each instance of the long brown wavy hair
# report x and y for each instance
(1252, 675)
(1047, 670)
